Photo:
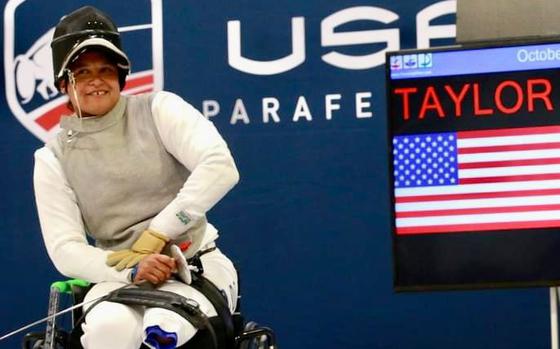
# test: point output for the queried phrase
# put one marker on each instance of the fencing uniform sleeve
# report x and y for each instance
(195, 142)
(62, 226)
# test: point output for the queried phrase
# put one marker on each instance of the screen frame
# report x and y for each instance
(391, 189)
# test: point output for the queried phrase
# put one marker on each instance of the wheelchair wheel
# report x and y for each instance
(38, 344)
(36, 340)
(258, 342)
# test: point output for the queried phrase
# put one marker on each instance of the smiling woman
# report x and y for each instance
(137, 174)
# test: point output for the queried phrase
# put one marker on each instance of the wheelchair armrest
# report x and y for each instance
(69, 286)
(77, 289)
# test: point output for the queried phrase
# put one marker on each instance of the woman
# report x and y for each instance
(136, 173)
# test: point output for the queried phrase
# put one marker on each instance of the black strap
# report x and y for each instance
(188, 309)
(218, 300)
(214, 295)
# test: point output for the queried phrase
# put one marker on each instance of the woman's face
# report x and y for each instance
(97, 84)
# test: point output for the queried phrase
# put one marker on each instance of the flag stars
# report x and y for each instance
(425, 160)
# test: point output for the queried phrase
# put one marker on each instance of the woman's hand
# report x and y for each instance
(155, 268)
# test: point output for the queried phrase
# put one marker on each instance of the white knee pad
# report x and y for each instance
(112, 325)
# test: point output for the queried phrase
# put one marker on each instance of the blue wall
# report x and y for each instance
(308, 225)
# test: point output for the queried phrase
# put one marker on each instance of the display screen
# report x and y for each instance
(475, 166)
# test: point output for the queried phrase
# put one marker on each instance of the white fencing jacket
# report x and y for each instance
(111, 178)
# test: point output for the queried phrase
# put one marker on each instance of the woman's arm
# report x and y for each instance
(194, 141)
(62, 226)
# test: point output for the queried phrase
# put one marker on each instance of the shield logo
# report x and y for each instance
(30, 91)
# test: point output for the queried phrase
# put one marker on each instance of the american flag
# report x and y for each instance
(484, 180)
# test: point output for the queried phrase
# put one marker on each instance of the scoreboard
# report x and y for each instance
(474, 139)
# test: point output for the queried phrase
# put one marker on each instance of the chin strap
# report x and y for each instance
(72, 81)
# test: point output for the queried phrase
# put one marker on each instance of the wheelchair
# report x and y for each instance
(224, 331)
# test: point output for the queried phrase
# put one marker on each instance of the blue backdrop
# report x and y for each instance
(308, 224)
